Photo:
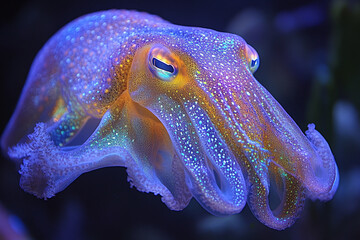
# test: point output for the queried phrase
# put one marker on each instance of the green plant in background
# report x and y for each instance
(341, 79)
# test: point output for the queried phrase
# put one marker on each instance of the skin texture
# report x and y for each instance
(179, 108)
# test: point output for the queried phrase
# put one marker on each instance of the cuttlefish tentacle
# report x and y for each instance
(312, 163)
(232, 187)
(326, 161)
(291, 194)
(201, 160)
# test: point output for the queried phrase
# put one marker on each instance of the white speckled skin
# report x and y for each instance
(198, 125)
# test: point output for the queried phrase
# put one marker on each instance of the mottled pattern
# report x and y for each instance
(179, 108)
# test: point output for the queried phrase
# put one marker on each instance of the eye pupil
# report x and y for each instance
(162, 63)
(163, 66)
(253, 63)
(252, 58)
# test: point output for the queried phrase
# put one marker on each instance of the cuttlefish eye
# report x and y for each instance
(162, 63)
(252, 58)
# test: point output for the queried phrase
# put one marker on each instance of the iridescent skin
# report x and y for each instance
(205, 128)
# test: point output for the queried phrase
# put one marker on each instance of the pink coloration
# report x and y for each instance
(179, 108)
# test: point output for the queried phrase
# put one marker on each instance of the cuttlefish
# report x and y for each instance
(179, 107)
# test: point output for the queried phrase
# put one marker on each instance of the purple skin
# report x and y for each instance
(178, 106)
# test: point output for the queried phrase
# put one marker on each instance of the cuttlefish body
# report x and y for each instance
(179, 108)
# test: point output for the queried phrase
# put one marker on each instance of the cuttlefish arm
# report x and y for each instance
(214, 114)
(298, 165)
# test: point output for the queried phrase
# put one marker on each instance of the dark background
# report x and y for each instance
(309, 53)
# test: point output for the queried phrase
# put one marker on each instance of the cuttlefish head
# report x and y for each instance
(232, 136)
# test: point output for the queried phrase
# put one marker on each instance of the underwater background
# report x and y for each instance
(309, 53)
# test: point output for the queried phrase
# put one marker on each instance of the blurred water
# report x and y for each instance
(309, 62)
